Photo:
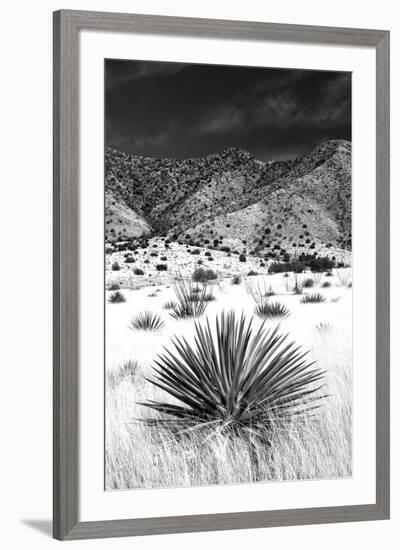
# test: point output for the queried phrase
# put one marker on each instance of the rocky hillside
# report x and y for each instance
(231, 200)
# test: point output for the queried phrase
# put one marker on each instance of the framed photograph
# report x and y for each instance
(221, 275)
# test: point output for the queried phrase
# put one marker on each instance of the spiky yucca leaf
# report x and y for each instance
(235, 376)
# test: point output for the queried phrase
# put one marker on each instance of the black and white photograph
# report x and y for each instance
(228, 274)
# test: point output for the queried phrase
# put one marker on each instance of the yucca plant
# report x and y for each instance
(315, 298)
(170, 304)
(307, 283)
(116, 297)
(234, 378)
(146, 321)
(190, 304)
(274, 309)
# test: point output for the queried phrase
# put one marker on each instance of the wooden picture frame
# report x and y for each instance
(67, 26)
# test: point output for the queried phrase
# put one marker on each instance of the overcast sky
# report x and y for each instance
(181, 110)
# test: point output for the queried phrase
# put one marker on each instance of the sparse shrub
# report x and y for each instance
(252, 273)
(114, 286)
(170, 304)
(315, 298)
(322, 263)
(196, 251)
(242, 258)
(146, 321)
(115, 266)
(249, 380)
(130, 260)
(138, 271)
(326, 284)
(109, 250)
(236, 279)
(202, 275)
(308, 283)
(210, 259)
(275, 309)
(163, 258)
(161, 267)
(116, 298)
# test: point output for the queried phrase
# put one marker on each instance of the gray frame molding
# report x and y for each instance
(67, 25)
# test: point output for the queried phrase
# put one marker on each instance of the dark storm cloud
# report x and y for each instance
(182, 110)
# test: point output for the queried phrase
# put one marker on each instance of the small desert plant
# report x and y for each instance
(234, 378)
(190, 304)
(128, 370)
(114, 286)
(170, 304)
(236, 279)
(344, 276)
(275, 309)
(317, 277)
(252, 273)
(308, 283)
(242, 258)
(161, 267)
(335, 300)
(130, 260)
(146, 321)
(315, 298)
(324, 327)
(116, 298)
(138, 271)
(115, 266)
(326, 284)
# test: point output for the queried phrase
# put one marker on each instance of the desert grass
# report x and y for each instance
(140, 456)
(344, 276)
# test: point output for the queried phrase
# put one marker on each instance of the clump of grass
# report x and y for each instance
(147, 320)
(236, 280)
(128, 370)
(116, 298)
(245, 382)
(315, 298)
(324, 327)
(170, 304)
(308, 283)
(269, 310)
(190, 304)
(335, 300)
(326, 284)
(344, 276)
(317, 276)
(138, 271)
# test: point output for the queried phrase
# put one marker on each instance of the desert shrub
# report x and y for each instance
(170, 304)
(283, 267)
(329, 274)
(242, 258)
(326, 284)
(146, 321)
(210, 259)
(252, 273)
(269, 310)
(315, 298)
(138, 271)
(248, 379)
(154, 254)
(114, 286)
(164, 258)
(130, 260)
(308, 283)
(225, 248)
(196, 251)
(322, 263)
(161, 267)
(236, 280)
(116, 298)
(109, 250)
(202, 275)
(115, 266)
(207, 253)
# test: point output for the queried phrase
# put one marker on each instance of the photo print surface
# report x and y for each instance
(228, 274)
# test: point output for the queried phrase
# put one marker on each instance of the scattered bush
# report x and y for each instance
(202, 275)
(326, 284)
(161, 267)
(236, 279)
(116, 298)
(284, 267)
(242, 258)
(115, 266)
(138, 271)
(252, 273)
(315, 298)
(130, 260)
(146, 321)
(114, 286)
